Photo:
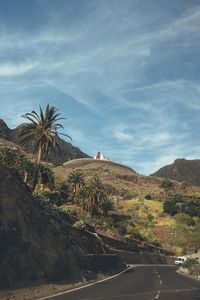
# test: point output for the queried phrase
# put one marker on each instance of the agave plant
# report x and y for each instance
(42, 131)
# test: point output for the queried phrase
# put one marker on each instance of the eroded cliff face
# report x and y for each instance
(33, 245)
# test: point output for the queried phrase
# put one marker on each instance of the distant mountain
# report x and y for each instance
(182, 170)
(67, 150)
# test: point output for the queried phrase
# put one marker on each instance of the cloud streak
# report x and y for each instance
(132, 67)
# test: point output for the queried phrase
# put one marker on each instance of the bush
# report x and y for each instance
(150, 217)
(47, 176)
(57, 198)
(190, 262)
(130, 195)
(184, 219)
(169, 207)
(121, 226)
(14, 159)
(107, 205)
(148, 197)
(167, 183)
(192, 209)
(80, 224)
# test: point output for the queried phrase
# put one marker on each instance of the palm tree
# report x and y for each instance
(43, 131)
(76, 181)
(94, 195)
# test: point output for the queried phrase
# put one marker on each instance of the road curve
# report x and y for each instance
(140, 283)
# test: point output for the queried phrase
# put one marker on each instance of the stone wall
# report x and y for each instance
(101, 262)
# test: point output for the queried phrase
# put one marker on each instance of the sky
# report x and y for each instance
(125, 74)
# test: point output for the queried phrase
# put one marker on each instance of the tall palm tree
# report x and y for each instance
(43, 132)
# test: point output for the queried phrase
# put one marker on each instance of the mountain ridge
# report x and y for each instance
(181, 170)
(67, 150)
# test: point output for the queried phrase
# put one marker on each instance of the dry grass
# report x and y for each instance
(122, 180)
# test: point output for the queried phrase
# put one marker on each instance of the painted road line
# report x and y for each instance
(85, 286)
(157, 295)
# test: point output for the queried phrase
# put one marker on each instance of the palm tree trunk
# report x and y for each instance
(37, 171)
(25, 177)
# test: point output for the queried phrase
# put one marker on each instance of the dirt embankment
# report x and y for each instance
(33, 245)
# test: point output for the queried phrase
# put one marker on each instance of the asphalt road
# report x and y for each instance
(140, 283)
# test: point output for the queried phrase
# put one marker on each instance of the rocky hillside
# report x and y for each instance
(68, 151)
(182, 170)
(35, 243)
(123, 182)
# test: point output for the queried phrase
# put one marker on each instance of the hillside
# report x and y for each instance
(67, 150)
(122, 181)
(36, 244)
(139, 206)
(182, 170)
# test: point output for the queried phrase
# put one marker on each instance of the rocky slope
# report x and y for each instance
(182, 170)
(67, 150)
(35, 246)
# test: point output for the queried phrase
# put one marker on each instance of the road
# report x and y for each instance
(140, 283)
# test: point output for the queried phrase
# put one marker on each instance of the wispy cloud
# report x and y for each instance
(11, 69)
(133, 71)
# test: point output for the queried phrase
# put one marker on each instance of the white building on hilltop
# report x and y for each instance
(100, 156)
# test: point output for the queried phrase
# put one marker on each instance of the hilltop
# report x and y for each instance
(67, 150)
(121, 180)
(182, 170)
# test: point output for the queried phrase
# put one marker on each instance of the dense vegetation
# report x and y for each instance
(189, 205)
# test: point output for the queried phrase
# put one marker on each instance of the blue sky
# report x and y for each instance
(125, 73)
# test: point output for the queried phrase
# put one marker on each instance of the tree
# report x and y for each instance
(14, 159)
(76, 181)
(94, 195)
(47, 176)
(43, 131)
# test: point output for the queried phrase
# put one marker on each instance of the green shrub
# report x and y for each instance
(150, 217)
(167, 183)
(192, 209)
(107, 206)
(169, 207)
(148, 197)
(80, 224)
(184, 219)
(190, 262)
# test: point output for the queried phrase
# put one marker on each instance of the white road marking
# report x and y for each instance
(85, 286)
(157, 295)
(160, 282)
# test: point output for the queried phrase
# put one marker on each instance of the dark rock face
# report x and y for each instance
(33, 246)
(182, 170)
(4, 130)
(67, 150)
